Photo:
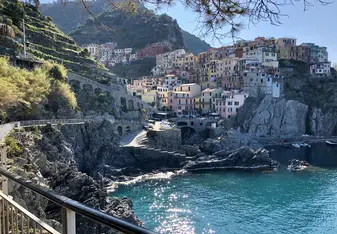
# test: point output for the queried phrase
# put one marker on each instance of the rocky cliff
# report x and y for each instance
(129, 30)
(277, 117)
(68, 159)
(308, 106)
(71, 16)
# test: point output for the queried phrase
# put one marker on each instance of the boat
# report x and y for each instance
(296, 145)
(305, 144)
(330, 143)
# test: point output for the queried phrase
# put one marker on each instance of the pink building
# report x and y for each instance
(181, 99)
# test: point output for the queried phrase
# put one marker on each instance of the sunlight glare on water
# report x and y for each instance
(242, 203)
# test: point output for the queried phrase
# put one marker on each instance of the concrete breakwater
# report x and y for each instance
(150, 158)
(319, 154)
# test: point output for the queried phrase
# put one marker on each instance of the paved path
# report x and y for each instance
(133, 139)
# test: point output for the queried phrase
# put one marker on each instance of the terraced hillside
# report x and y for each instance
(44, 39)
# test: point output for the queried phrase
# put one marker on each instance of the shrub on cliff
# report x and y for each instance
(23, 93)
(61, 96)
(56, 71)
(20, 85)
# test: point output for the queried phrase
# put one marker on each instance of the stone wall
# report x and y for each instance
(168, 139)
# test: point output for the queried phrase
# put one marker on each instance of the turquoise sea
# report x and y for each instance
(238, 202)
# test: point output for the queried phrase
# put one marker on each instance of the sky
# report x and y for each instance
(317, 25)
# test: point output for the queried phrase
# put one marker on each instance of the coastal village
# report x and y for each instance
(215, 81)
(147, 129)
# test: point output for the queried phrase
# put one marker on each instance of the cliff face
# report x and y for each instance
(308, 106)
(277, 117)
(286, 118)
(67, 160)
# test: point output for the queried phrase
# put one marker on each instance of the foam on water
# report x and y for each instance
(142, 178)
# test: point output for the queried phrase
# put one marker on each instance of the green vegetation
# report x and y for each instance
(44, 39)
(129, 30)
(19, 85)
(12, 145)
(56, 71)
(194, 44)
(26, 90)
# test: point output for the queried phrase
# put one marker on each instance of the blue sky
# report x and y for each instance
(317, 25)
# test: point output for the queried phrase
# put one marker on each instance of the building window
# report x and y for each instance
(251, 79)
(229, 103)
(236, 103)
(200, 123)
(192, 123)
(170, 100)
(237, 109)
(261, 80)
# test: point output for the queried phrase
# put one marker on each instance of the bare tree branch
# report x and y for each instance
(216, 16)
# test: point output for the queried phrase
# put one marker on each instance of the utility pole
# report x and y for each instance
(24, 38)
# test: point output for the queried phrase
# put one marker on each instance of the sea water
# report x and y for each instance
(238, 202)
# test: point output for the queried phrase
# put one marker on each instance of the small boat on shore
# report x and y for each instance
(305, 145)
(296, 145)
(331, 143)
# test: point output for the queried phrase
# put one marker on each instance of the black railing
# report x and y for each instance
(79, 208)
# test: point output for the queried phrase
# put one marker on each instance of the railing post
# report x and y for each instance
(3, 152)
(68, 221)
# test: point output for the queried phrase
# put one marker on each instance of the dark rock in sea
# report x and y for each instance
(190, 150)
(242, 158)
(297, 165)
(230, 140)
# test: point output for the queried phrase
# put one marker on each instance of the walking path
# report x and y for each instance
(6, 128)
(134, 139)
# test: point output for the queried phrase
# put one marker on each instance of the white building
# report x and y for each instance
(93, 49)
(256, 81)
(229, 103)
(322, 54)
(123, 51)
(320, 69)
(171, 81)
(166, 60)
(276, 89)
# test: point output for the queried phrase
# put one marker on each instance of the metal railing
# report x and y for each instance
(6, 128)
(16, 219)
(12, 213)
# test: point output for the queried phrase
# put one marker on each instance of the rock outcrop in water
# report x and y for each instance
(228, 141)
(243, 158)
(297, 165)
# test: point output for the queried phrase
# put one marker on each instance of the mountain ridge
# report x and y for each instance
(72, 17)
